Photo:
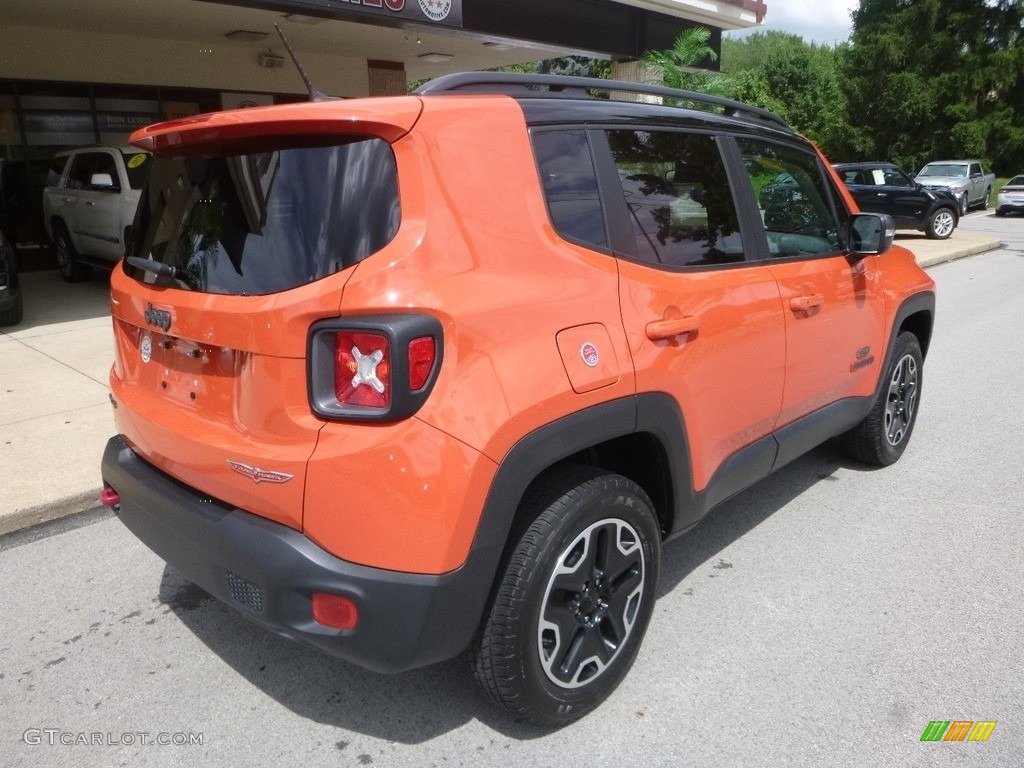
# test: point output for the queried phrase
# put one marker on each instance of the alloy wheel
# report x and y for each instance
(591, 603)
(944, 224)
(902, 400)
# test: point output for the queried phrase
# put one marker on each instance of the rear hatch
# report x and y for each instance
(248, 229)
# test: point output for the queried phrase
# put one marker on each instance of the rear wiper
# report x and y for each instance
(162, 270)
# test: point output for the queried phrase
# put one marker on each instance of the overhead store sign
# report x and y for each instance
(445, 12)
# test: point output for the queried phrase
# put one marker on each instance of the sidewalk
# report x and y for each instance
(961, 243)
(55, 416)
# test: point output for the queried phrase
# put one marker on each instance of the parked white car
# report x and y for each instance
(90, 205)
(1011, 197)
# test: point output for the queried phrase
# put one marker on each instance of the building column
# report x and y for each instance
(636, 72)
(386, 78)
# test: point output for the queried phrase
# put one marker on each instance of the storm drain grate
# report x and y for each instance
(245, 592)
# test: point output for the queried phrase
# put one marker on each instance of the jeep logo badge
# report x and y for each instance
(158, 317)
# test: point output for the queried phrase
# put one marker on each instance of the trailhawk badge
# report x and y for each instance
(258, 475)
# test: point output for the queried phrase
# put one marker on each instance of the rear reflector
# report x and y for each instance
(335, 611)
(421, 361)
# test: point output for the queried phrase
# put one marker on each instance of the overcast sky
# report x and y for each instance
(816, 21)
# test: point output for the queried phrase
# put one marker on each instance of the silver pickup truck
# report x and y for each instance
(966, 179)
(89, 205)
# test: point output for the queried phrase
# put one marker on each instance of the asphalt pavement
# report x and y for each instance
(55, 414)
(823, 618)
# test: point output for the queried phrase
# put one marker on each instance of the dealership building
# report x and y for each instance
(81, 73)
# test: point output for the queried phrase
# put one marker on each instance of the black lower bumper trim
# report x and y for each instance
(269, 571)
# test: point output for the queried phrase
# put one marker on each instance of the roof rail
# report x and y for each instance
(514, 83)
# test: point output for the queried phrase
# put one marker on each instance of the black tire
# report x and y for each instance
(69, 263)
(16, 311)
(586, 565)
(883, 435)
(941, 224)
(1000, 212)
(984, 200)
(13, 314)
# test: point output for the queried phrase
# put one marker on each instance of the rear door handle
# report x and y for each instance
(803, 303)
(659, 330)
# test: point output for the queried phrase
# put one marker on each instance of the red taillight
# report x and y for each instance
(373, 367)
(421, 361)
(362, 370)
(335, 611)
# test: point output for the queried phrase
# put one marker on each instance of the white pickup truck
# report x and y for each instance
(89, 205)
(966, 179)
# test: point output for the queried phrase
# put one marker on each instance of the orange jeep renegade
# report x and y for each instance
(402, 378)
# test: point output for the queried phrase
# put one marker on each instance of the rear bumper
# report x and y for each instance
(268, 572)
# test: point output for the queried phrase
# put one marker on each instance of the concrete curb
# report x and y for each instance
(48, 511)
(960, 254)
(932, 252)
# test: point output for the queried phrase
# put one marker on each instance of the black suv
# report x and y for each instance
(884, 188)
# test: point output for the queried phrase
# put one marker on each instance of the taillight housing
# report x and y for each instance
(373, 367)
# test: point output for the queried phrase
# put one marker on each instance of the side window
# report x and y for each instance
(896, 178)
(81, 170)
(136, 165)
(678, 197)
(56, 170)
(793, 197)
(570, 185)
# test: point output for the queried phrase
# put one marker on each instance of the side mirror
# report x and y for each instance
(871, 234)
(101, 181)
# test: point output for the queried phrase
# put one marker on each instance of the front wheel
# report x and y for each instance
(68, 262)
(575, 599)
(941, 224)
(883, 435)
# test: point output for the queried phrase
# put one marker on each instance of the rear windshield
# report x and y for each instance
(268, 221)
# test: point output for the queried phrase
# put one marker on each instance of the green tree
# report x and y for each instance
(799, 81)
(679, 66)
(939, 78)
